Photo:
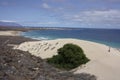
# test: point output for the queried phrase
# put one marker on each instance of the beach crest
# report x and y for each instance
(103, 63)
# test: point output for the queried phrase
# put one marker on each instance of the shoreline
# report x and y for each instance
(10, 33)
(13, 63)
(18, 33)
(102, 62)
(64, 41)
(112, 44)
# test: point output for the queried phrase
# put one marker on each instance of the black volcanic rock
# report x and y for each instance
(9, 24)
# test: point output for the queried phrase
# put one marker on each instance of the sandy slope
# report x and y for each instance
(9, 33)
(105, 65)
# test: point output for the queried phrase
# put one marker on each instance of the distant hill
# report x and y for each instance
(12, 24)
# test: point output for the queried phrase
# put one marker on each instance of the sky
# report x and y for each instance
(62, 13)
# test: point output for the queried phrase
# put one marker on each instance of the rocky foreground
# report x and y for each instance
(20, 65)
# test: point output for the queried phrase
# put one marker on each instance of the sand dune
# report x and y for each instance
(10, 33)
(105, 65)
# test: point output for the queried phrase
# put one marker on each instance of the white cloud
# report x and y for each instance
(7, 21)
(107, 17)
(51, 8)
(47, 23)
(46, 6)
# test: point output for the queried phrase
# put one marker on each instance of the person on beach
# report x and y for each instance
(109, 49)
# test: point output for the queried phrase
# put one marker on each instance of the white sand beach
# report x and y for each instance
(10, 33)
(103, 64)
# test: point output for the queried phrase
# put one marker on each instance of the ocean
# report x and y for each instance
(109, 37)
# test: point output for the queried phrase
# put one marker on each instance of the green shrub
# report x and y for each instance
(69, 56)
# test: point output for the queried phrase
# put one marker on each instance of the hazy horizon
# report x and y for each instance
(62, 13)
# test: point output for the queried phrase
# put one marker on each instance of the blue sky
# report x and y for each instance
(62, 13)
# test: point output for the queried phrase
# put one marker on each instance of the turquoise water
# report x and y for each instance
(110, 37)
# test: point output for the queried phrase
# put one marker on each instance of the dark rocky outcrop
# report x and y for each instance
(20, 65)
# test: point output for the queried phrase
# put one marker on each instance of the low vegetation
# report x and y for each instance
(20, 65)
(69, 56)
